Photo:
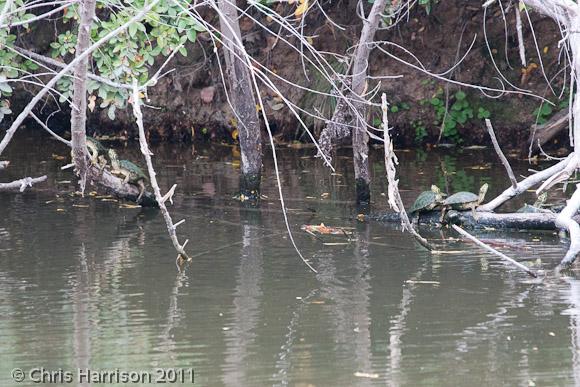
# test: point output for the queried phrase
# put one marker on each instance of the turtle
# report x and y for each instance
(464, 200)
(536, 207)
(97, 152)
(129, 171)
(427, 200)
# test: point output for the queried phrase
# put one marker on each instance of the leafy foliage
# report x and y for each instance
(127, 56)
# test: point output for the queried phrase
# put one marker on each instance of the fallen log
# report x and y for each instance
(466, 219)
(116, 187)
(541, 134)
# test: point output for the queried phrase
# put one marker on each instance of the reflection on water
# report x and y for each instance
(85, 283)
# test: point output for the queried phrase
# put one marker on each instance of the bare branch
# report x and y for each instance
(524, 185)
(520, 34)
(22, 184)
(494, 251)
(394, 196)
(502, 157)
(564, 220)
(152, 175)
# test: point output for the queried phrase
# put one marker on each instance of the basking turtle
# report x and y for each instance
(97, 152)
(464, 200)
(427, 200)
(536, 207)
(130, 172)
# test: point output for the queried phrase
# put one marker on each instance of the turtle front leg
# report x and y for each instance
(442, 218)
(141, 190)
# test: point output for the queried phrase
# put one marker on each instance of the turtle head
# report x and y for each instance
(437, 192)
(541, 199)
(482, 192)
(113, 157)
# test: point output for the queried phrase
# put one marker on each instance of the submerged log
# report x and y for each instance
(466, 219)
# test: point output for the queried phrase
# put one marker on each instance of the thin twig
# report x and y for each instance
(494, 251)
(520, 35)
(502, 157)
(59, 138)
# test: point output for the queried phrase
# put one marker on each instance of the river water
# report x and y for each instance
(86, 283)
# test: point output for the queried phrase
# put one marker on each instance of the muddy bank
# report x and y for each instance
(191, 102)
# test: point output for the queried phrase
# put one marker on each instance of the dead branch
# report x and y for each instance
(494, 251)
(394, 196)
(522, 48)
(171, 227)
(541, 134)
(565, 220)
(563, 175)
(502, 157)
(21, 184)
(43, 125)
(55, 63)
(524, 185)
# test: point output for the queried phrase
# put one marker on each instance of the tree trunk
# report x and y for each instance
(79, 100)
(360, 137)
(242, 100)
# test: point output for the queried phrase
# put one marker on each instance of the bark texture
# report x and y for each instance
(242, 100)
(360, 137)
(79, 109)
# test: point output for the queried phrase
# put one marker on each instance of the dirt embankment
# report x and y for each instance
(191, 100)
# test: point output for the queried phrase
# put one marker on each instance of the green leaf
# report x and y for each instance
(436, 101)
(460, 95)
(191, 35)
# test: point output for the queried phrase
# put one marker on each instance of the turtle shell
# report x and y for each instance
(461, 199)
(136, 172)
(426, 200)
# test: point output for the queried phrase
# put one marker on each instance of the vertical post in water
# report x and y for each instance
(242, 100)
(79, 100)
(360, 137)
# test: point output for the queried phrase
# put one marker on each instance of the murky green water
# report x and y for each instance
(87, 284)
